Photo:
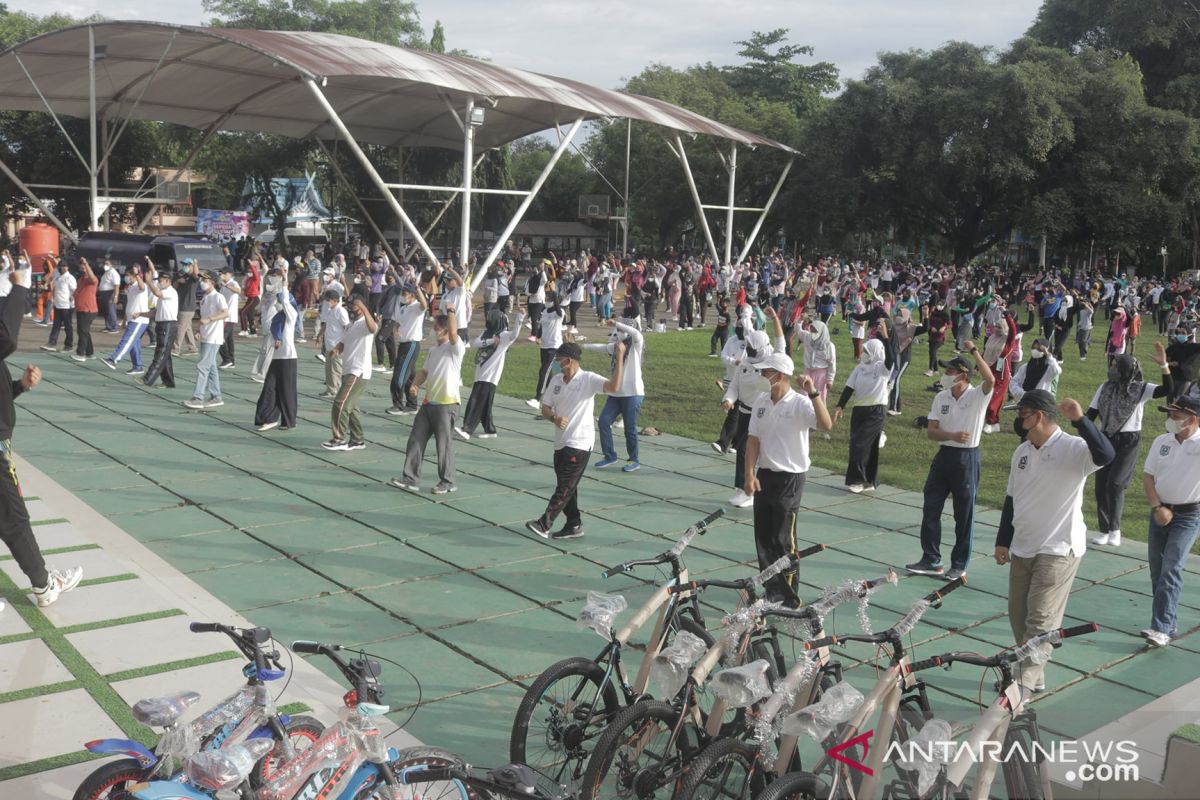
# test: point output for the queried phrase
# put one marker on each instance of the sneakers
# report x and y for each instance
(954, 573)
(50, 348)
(79, 358)
(536, 526)
(320, 357)
(485, 436)
(892, 413)
(856, 488)
(1112, 538)
(326, 395)
(266, 426)
(356, 446)
(61, 580)
(717, 447)
(1153, 638)
(395, 411)
(991, 428)
(136, 371)
(301, 340)
(741, 500)
(568, 532)
(445, 488)
(195, 403)
(215, 402)
(462, 434)
(334, 444)
(606, 462)
(534, 403)
(404, 483)
(882, 440)
(929, 373)
(923, 567)
(227, 365)
(631, 466)
(619, 424)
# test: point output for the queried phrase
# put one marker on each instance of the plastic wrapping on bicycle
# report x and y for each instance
(1053, 637)
(675, 552)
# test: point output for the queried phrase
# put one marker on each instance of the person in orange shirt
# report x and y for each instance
(45, 292)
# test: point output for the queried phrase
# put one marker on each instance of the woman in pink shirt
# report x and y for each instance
(252, 291)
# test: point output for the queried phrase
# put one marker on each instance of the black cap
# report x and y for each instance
(569, 350)
(1038, 400)
(959, 363)
(1185, 403)
(408, 288)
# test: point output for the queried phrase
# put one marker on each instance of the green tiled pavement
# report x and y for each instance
(317, 545)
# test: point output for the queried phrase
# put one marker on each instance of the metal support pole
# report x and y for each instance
(372, 173)
(399, 179)
(731, 166)
(766, 210)
(464, 236)
(37, 201)
(341, 176)
(681, 154)
(519, 214)
(92, 171)
(625, 222)
(187, 162)
(104, 169)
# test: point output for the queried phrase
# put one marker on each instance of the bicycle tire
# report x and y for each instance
(299, 726)
(795, 786)
(570, 741)
(1022, 779)
(422, 755)
(610, 774)
(110, 780)
(725, 770)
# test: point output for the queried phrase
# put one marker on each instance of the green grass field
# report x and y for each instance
(681, 398)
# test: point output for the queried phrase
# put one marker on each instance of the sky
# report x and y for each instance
(605, 43)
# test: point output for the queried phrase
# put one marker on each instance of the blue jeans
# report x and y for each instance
(954, 471)
(208, 377)
(605, 311)
(1168, 548)
(628, 408)
(131, 343)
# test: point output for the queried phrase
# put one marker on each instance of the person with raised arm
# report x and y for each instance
(166, 317)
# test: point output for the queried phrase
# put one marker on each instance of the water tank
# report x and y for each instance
(39, 240)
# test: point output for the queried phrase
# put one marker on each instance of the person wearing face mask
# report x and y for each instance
(570, 405)
(408, 331)
(185, 287)
(1183, 355)
(278, 402)
(1084, 313)
(232, 293)
(334, 319)
(997, 351)
(213, 311)
(956, 423)
(441, 376)
(1040, 372)
(744, 388)
(551, 338)
(85, 312)
(1172, 483)
(63, 298)
(626, 400)
(273, 285)
(820, 356)
(937, 322)
(1118, 406)
(353, 349)
(868, 384)
(166, 317)
(904, 331)
(137, 310)
(732, 354)
(1042, 533)
(490, 355)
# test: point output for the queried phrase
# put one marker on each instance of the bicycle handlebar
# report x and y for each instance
(748, 584)
(360, 673)
(248, 640)
(901, 628)
(1054, 638)
(675, 552)
(936, 596)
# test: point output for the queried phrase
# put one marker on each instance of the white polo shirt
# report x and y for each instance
(782, 431)
(1046, 485)
(231, 300)
(965, 413)
(167, 309)
(335, 321)
(576, 402)
(443, 372)
(410, 318)
(64, 290)
(212, 332)
(491, 369)
(1175, 467)
(356, 343)
(137, 301)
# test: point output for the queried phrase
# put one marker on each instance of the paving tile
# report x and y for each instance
(209, 550)
(165, 524)
(10, 621)
(443, 671)
(547, 580)
(55, 784)
(1113, 608)
(505, 509)
(106, 601)
(213, 682)
(423, 519)
(30, 663)
(130, 500)
(333, 619)
(1077, 710)
(95, 563)
(455, 723)
(159, 641)
(375, 564)
(1084, 653)
(1158, 671)
(59, 534)
(315, 536)
(51, 725)
(448, 600)
(39, 510)
(248, 586)
(523, 644)
(110, 477)
(484, 546)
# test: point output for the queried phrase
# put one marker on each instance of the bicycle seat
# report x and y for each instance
(224, 769)
(159, 712)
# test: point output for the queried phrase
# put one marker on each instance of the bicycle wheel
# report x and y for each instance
(1022, 779)
(110, 780)
(635, 757)
(303, 731)
(725, 770)
(422, 756)
(556, 725)
(795, 786)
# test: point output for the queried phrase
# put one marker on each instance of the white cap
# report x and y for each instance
(780, 362)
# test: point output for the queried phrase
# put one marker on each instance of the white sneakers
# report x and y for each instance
(462, 433)
(991, 428)
(534, 403)
(741, 500)
(1113, 538)
(61, 580)
(856, 488)
(1156, 638)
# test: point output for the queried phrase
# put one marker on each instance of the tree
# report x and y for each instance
(387, 21)
(774, 75)
(437, 42)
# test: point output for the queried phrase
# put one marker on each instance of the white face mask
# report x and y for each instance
(948, 381)
(1173, 426)
(1037, 354)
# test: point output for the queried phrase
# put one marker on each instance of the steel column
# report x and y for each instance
(93, 188)
(731, 166)
(625, 222)
(681, 154)
(766, 209)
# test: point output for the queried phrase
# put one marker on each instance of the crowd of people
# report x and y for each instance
(368, 315)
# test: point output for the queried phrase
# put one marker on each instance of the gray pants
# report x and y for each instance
(1038, 589)
(184, 333)
(333, 371)
(436, 421)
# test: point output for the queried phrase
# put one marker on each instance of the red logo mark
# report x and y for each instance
(863, 739)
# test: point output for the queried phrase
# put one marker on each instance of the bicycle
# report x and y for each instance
(247, 714)
(570, 702)
(446, 777)
(897, 696)
(731, 767)
(1007, 720)
(623, 764)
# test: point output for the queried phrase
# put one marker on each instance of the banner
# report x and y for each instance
(222, 224)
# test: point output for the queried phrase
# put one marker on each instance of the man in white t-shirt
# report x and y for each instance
(213, 311)
(569, 402)
(353, 351)
(442, 377)
(334, 321)
(1042, 535)
(137, 304)
(407, 329)
(232, 293)
(956, 422)
(166, 317)
(63, 297)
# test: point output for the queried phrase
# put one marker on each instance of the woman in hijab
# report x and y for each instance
(997, 352)
(1115, 345)
(490, 353)
(1117, 411)
(869, 385)
(904, 331)
(820, 356)
(1040, 372)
